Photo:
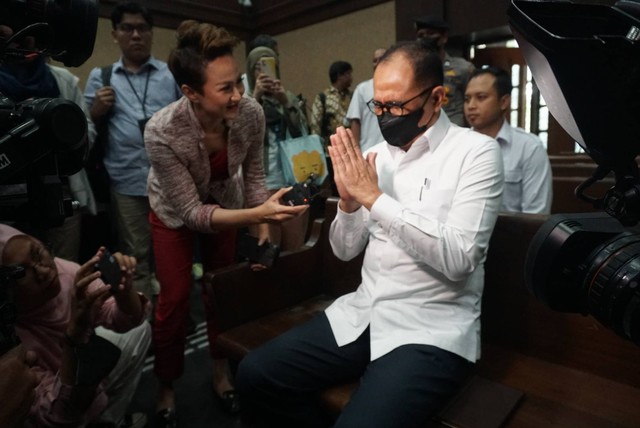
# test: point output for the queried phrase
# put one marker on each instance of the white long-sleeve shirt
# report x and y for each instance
(426, 240)
(528, 187)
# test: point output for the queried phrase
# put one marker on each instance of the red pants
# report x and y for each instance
(173, 250)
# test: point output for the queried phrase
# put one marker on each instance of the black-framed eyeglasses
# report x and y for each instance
(395, 108)
(130, 28)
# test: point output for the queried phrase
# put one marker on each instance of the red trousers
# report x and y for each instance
(173, 250)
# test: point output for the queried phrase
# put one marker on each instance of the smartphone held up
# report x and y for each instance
(268, 66)
(110, 271)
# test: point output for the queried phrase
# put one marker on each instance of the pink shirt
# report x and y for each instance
(42, 330)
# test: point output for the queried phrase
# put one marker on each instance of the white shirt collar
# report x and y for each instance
(504, 136)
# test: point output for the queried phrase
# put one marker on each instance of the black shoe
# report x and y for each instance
(166, 418)
(230, 402)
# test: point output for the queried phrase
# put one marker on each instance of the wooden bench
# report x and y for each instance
(569, 171)
(571, 158)
(573, 371)
(574, 169)
(564, 199)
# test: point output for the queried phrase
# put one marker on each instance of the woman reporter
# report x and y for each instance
(206, 180)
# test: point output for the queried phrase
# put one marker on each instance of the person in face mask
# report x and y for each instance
(422, 205)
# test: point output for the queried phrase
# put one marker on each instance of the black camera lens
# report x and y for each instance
(612, 276)
(61, 121)
(589, 264)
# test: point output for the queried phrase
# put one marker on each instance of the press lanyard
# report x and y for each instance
(144, 96)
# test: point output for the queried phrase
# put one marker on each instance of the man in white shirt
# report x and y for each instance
(362, 121)
(422, 206)
(527, 172)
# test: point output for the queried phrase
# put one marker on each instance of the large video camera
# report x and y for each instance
(62, 29)
(585, 58)
(42, 140)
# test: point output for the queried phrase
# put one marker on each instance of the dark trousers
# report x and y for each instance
(279, 381)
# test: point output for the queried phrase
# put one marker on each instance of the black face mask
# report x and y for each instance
(400, 130)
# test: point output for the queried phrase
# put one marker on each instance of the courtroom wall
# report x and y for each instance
(306, 53)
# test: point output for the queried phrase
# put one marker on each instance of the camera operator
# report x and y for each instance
(17, 386)
(33, 77)
(64, 313)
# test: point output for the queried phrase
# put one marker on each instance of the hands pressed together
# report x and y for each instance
(355, 177)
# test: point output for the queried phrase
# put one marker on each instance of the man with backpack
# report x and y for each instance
(138, 86)
(330, 106)
(329, 109)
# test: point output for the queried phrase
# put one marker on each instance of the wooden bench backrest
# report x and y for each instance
(571, 158)
(573, 169)
(564, 199)
(241, 295)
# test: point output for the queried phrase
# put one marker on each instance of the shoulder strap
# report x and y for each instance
(106, 74)
(324, 125)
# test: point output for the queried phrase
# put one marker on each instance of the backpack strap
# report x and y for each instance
(324, 125)
(96, 171)
(105, 72)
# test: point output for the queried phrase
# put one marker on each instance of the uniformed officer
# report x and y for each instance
(456, 69)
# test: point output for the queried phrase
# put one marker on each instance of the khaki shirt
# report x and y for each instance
(456, 74)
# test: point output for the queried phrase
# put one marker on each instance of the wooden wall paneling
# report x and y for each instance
(468, 16)
(486, 21)
(264, 16)
(279, 16)
(408, 10)
(306, 53)
(276, 17)
(225, 13)
(559, 141)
